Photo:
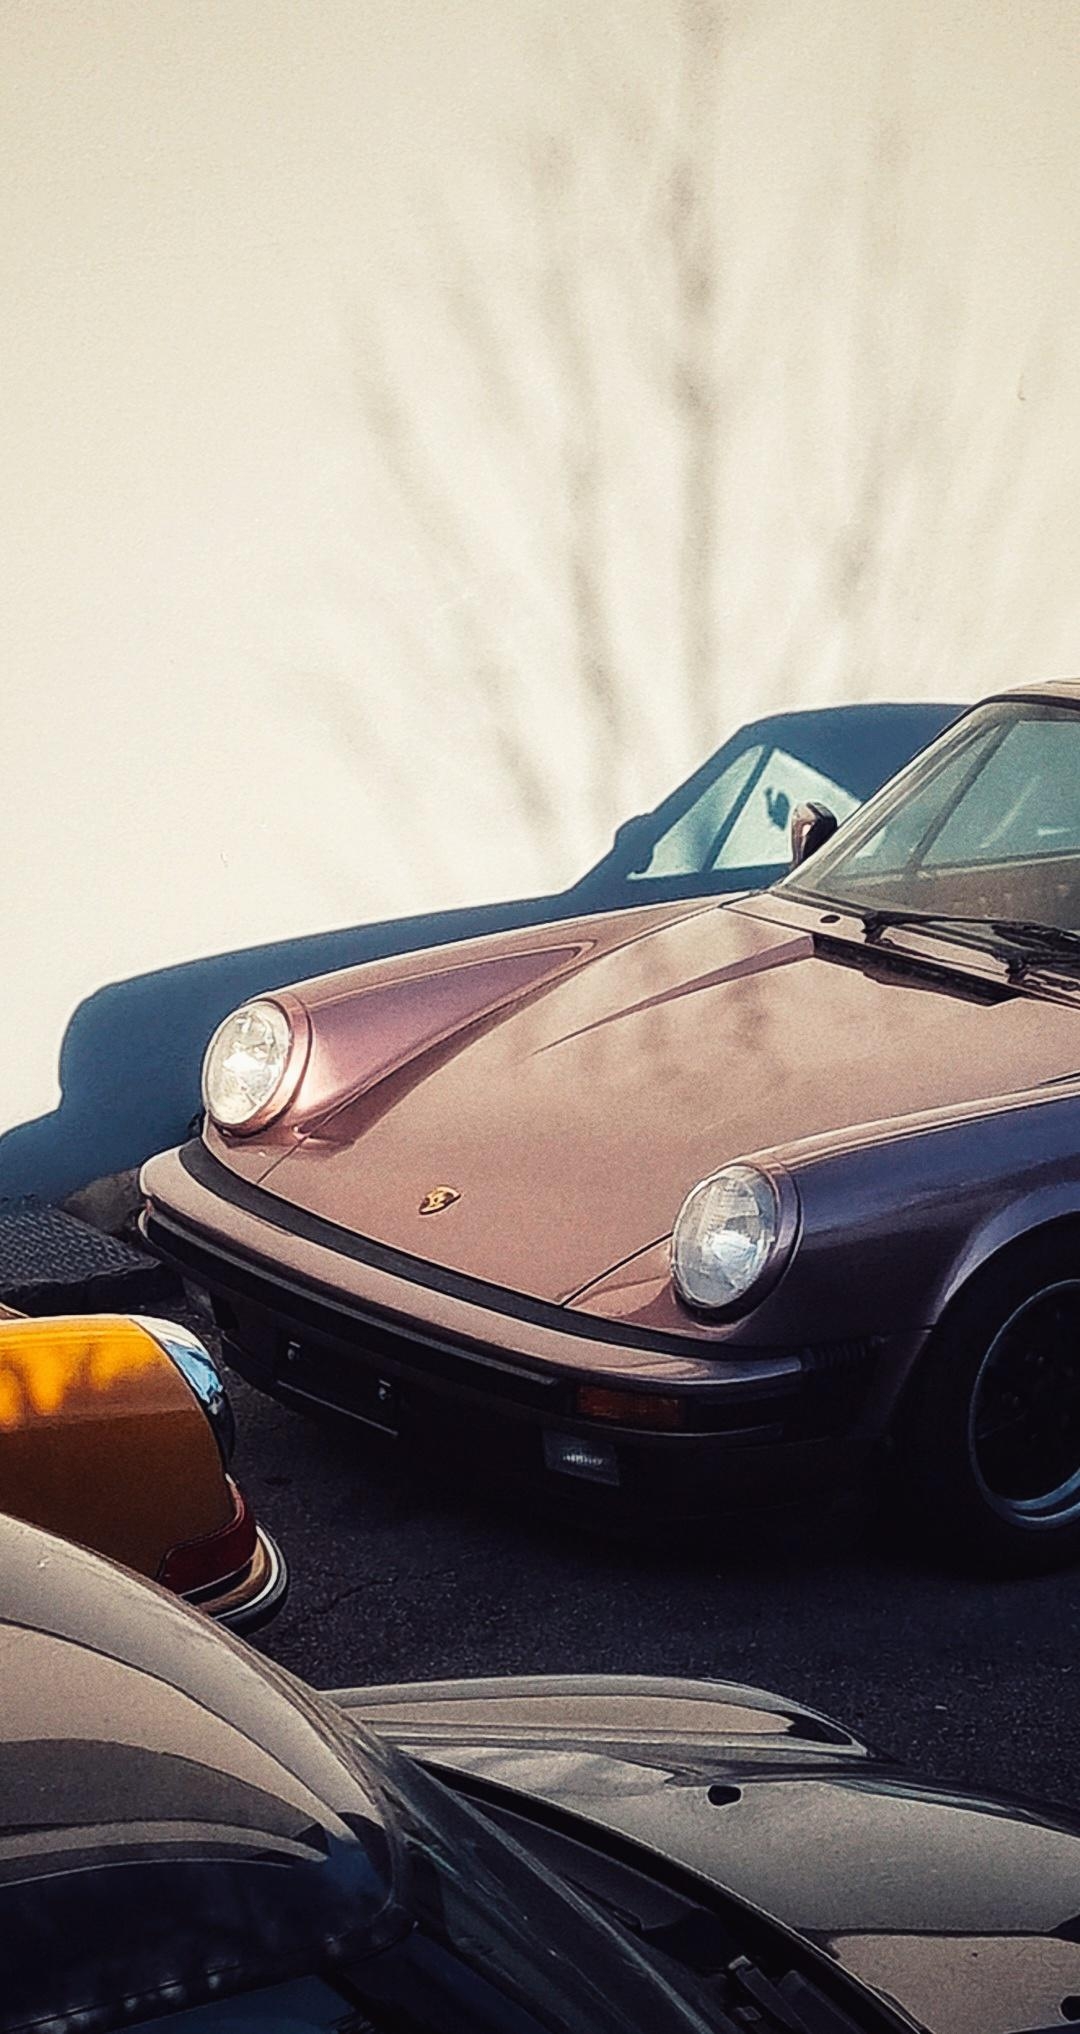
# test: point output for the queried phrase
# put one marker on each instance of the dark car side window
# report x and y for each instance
(741, 819)
(761, 832)
(684, 848)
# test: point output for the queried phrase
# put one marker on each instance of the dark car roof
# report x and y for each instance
(858, 746)
(174, 1810)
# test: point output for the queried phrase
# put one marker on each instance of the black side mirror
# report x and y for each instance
(811, 827)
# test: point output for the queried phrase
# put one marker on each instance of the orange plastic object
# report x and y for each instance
(101, 1439)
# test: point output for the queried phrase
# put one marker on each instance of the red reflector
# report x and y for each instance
(629, 1408)
(198, 1563)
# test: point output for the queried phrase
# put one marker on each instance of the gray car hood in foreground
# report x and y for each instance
(965, 1912)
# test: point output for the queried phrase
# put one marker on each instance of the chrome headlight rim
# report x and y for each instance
(200, 1373)
(787, 1224)
(296, 1058)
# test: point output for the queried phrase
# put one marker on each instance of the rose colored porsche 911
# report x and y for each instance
(683, 1207)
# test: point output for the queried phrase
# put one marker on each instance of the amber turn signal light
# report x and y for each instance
(629, 1408)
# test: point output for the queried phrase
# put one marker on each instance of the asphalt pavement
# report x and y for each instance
(398, 1576)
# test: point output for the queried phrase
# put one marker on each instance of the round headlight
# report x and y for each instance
(245, 1064)
(726, 1235)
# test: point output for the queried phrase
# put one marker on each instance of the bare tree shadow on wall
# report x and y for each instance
(908, 477)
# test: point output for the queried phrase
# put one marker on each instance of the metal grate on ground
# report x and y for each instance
(51, 1263)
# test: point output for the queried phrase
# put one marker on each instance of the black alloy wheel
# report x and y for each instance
(1024, 1426)
(987, 1438)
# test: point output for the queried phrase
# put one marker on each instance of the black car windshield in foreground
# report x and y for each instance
(181, 1822)
(191, 1839)
(534, 1941)
(983, 831)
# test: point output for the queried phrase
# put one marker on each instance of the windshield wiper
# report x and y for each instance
(1059, 942)
(994, 935)
(874, 923)
(793, 2004)
(977, 933)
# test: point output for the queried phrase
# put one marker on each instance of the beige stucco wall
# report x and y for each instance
(354, 494)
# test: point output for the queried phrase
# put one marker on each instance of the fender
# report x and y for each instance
(1038, 1209)
(894, 1218)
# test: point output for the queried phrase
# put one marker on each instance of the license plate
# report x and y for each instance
(330, 1379)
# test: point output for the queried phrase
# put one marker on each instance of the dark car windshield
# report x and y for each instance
(496, 1945)
(502, 1947)
(985, 827)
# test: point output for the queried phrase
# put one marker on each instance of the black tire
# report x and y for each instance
(988, 1436)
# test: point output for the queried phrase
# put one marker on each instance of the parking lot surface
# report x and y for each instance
(398, 1575)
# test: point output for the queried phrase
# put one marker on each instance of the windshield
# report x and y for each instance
(502, 1947)
(984, 827)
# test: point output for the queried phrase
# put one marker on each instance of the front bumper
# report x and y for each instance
(489, 1382)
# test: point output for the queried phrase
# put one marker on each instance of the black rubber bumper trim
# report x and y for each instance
(431, 1356)
(209, 1172)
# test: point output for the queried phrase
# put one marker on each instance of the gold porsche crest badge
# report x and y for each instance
(438, 1199)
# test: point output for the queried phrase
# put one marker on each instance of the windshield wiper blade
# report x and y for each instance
(874, 923)
(793, 2004)
(1018, 931)
(976, 933)
(999, 936)
(1060, 941)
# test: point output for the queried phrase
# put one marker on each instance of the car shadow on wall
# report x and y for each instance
(131, 1055)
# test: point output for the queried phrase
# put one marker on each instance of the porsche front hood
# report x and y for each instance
(570, 1086)
(962, 1911)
